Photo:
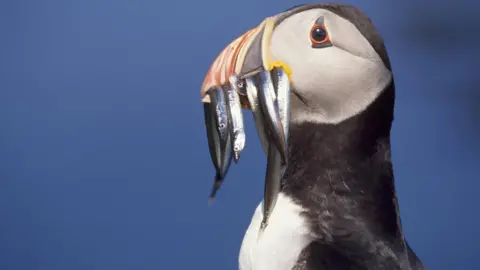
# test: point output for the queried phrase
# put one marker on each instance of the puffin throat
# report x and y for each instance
(342, 173)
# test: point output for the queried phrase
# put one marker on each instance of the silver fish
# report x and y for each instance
(212, 135)
(252, 95)
(273, 177)
(270, 109)
(236, 125)
(275, 165)
(216, 120)
(217, 96)
(226, 160)
(282, 86)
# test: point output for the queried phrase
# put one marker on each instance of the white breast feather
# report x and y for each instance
(278, 247)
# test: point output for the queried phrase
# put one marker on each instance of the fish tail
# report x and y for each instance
(216, 186)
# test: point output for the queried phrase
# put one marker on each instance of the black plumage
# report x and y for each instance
(342, 175)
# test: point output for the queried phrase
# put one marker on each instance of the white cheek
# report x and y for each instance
(337, 84)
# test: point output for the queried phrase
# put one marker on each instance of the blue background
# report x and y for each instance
(104, 161)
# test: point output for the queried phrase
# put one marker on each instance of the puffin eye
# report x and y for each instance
(319, 36)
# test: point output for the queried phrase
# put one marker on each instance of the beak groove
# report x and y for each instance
(230, 61)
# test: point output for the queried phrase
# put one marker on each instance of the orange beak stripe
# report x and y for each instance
(228, 63)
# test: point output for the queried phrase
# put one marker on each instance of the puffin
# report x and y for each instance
(336, 206)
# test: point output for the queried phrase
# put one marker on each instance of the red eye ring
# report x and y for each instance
(319, 34)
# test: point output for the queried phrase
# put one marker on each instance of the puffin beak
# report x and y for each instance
(244, 74)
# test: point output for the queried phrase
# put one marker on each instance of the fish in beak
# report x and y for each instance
(219, 137)
(247, 79)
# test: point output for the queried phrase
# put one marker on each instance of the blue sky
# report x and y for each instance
(104, 161)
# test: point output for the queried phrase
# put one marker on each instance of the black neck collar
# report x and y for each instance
(342, 174)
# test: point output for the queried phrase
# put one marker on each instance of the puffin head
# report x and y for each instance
(336, 61)
(338, 77)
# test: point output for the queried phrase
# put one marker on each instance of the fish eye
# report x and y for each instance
(319, 35)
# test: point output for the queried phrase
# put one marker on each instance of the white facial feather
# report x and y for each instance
(339, 81)
(280, 244)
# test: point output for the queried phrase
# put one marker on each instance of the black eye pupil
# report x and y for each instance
(319, 34)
